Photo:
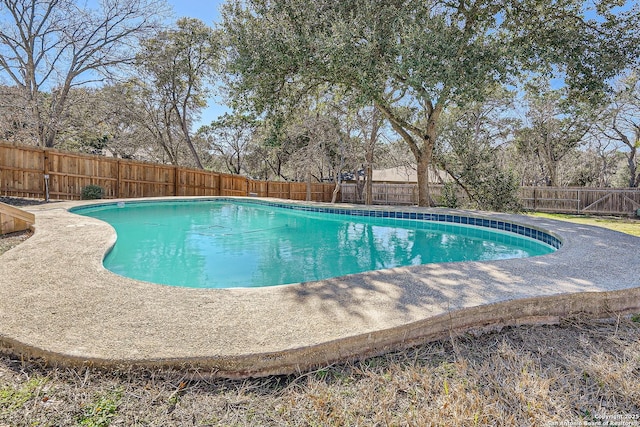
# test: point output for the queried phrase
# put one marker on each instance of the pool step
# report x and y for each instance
(13, 219)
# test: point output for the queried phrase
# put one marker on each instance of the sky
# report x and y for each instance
(207, 12)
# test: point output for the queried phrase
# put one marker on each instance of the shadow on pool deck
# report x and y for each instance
(58, 302)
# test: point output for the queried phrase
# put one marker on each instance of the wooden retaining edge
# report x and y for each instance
(13, 219)
(545, 310)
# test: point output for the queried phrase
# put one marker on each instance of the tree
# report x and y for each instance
(15, 124)
(55, 45)
(180, 64)
(229, 137)
(412, 59)
(370, 122)
(110, 120)
(622, 123)
(318, 145)
(469, 150)
(317, 141)
(82, 127)
(126, 122)
(145, 113)
(274, 147)
(556, 127)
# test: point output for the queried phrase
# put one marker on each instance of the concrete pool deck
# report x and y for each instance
(58, 302)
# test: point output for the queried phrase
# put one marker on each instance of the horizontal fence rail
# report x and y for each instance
(40, 173)
(600, 201)
(595, 201)
(35, 172)
(385, 193)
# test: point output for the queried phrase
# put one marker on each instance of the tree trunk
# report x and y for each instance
(368, 189)
(376, 123)
(423, 162)
(553, 175)
(49, 138)
(421, 142)
(194, 153)
(359, 188)
(424, 158)
(336, 190)
(184, 125)
(634, 181)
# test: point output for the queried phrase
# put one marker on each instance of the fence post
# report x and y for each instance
(117, 189)
(119, 181)
(578, 201)
(176, 174)
(45, 173)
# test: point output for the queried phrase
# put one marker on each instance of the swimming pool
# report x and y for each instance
(225, 243)
(59, 303)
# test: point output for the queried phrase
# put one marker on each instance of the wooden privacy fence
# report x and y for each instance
(36, 172)
(596, 201)
(599, 201)
(388, 193)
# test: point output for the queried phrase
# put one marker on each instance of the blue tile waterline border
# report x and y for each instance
(500, 225)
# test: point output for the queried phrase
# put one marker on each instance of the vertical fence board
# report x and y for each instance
(258, 188)
(597, 201)
(279, 189)
(297, 191)
(199, 183)
(22, 170)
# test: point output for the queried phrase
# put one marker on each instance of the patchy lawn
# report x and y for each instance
(624, 225)
(577, 372)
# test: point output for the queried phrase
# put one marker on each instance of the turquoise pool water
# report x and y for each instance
(224, 244)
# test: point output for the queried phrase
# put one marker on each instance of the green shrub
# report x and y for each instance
(92, 192)
(449, 196)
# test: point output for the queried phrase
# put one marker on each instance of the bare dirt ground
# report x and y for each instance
(10, 240)
(17, 201)
(580, 372)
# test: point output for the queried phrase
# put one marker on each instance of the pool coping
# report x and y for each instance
(58, 302)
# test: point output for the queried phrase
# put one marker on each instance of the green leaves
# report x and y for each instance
(368, 46)
(182, 61)
(584, 46)
(414, 59)
(180, 64)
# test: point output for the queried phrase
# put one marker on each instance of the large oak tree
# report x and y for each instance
(414, 58)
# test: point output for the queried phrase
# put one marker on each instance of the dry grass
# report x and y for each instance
(577, 372)
(627, 225)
